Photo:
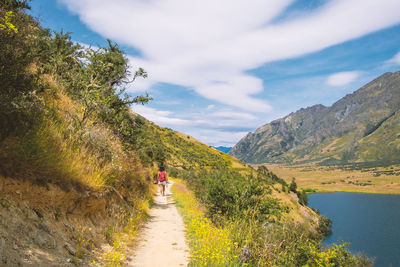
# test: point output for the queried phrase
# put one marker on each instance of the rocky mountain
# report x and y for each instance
(362, 126)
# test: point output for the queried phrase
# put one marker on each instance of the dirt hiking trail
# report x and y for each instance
(163, 238)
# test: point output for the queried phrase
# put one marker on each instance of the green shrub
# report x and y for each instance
(293, 186)
(303, 198)
(324, 226)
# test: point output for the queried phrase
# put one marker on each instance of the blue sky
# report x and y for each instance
(219, 69)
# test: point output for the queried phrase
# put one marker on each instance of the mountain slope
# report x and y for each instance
(339, 133)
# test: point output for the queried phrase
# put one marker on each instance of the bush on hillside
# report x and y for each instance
(19, 101)
(303, 198)
(324, 226)
(293, 186)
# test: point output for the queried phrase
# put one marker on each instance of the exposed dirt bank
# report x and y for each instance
(46, 226)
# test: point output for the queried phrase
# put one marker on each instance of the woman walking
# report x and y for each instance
(162, 180)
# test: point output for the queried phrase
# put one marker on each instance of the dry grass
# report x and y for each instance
(331, 179)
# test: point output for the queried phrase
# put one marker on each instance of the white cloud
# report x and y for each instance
(210, 107)
(218, 119)
(161, 117)
(217, 138)
(232, 115)
(342, 78)
(222, 126)
(208, 45)
(395, 60)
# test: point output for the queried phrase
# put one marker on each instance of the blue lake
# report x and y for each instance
(370, 222)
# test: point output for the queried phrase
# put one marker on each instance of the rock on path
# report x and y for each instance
(163, 238)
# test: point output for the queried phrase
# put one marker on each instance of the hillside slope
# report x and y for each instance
(361, 126)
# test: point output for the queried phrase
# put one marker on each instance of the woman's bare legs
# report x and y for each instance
(162, 189)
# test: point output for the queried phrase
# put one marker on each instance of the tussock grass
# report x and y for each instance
(55, 151)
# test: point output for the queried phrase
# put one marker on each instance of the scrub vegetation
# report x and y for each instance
(249, 241)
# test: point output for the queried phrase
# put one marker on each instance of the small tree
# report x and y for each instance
(303, 198)
(293, 185)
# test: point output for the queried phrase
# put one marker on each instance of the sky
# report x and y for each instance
(220, 69)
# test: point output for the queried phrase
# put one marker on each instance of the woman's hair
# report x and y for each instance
(162, 168)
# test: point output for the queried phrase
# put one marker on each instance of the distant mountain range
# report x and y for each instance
(362, 126)
(223, 148)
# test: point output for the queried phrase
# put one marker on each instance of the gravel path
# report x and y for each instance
(163, 238)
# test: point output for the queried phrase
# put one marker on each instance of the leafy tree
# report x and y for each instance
(18, 53)
(61, 56)
(303, 198)
(293, 186)
(324, 226)
(6, 23)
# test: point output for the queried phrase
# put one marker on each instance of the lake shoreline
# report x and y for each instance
(350, 191)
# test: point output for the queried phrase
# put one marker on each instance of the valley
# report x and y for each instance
(343, 178)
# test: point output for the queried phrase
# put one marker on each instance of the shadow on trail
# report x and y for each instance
(162, 205)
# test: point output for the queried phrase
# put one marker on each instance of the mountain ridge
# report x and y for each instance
(328, 134)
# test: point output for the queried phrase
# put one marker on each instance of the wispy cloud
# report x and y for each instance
(217, 138)
(209, 45)
(223, 121)
(161, 117)
(394, 60)
(342, 78)
(210, 107)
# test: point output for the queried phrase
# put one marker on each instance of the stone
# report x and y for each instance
(70, 248)
(19, 227)
(4, 260)
(66, 224)
(44, 240)
(15, 246)
(44, 227)
(38, 213)
(40, 239)
(31, 214)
